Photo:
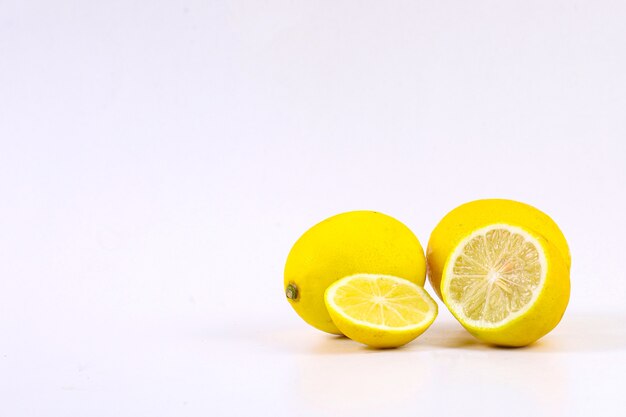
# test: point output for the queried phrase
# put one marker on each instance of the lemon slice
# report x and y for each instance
(506, 285)
(380, 310)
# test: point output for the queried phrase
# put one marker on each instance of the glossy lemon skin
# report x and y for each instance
(476, 214)
(542, 316)
(347, 244)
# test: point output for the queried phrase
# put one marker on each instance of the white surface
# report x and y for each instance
(158, 159)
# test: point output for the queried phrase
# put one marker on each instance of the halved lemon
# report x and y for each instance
(481, 213)
(381, 311)
(506, 285)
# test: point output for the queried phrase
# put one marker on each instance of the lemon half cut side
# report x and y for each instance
(468, 217)
(506, 285)
(380, 310)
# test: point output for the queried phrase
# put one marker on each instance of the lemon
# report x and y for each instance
(470, 216)
(346, 244)
(505, 284)
(381, 311)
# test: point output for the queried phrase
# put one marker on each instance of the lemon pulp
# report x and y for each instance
(494, 275)
(380, 310)
(382, 302)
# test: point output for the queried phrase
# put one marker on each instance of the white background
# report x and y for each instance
(158, 160)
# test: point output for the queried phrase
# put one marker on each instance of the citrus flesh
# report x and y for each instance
(343, 245)
(480, 213)
(380, 310)
(506, 285)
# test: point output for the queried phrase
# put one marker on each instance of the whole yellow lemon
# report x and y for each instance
(347, 244)
(476, 214)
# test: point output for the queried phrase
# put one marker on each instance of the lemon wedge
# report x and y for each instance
(506, 285)
(381, 311)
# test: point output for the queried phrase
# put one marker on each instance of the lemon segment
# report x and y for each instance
(505, 284)
(380, 310)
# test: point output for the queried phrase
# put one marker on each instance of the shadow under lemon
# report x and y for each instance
(577, 332)
(590, 332)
